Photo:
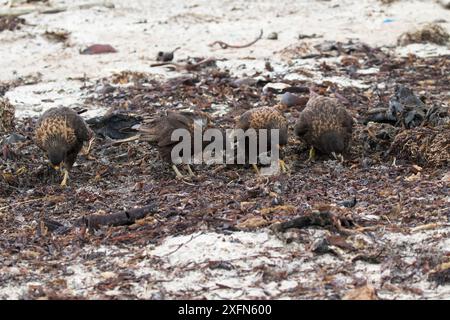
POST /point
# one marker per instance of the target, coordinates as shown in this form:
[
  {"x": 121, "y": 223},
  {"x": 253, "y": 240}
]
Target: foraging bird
[
  {"x": 265, "y": 118},
  {"x": 61, "y": 132},
  {"x": 325, "y": 125},
  {"x": 160, "y": 131}
]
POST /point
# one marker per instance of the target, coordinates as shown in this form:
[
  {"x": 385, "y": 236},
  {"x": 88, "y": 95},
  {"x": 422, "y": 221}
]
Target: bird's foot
[
  {"x": 394, "y": 162},
  {"x": 312, "y": 154},
  {"x": 88, "y": 149},
  {"x": 284, "y": 168},
  {"x": 191, "y": 173},
  {"x": 338, "y": 157},
  {"x": 66, "y": 177},
  {"x": 177, "y": 172},
  {"x": 255, "y": 167}
]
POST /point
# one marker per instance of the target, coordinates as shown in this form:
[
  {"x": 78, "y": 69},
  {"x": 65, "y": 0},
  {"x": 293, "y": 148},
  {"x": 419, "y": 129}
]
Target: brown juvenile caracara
[
  {"x": 61, "y": 132},
  {"x": 325, "y": 125},
  {"x": 265, "y": 118},
  {"x": 160, "y": 131}
]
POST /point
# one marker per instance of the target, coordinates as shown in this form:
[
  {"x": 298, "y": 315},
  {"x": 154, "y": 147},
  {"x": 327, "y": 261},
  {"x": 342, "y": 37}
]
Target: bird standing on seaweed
[
  {"x": 160, "y": 131},
  {"x": 268, "y": 118},
  {"x": 61, "y": 132},
  {"x": 325, "y": 125}
]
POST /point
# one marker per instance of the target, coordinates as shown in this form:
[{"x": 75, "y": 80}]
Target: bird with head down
[
  {"x": 325, "y": 125},
  {"x": 268, "y": 118},
  {"x": 159, "y": 131},
  {"x": 61, "y": 132}
]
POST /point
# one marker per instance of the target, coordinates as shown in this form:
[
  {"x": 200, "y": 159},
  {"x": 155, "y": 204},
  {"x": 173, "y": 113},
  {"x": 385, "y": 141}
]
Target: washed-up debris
[
  {"x": 302, "y": 36},
  {"x": 126, "y": 217},
  {"x": 349, "y": 203},
  {"x": 319, "y": 218},
  {"x": 342, "y": 48},
  {"x": 7, "y": 112},
  {"x": 268, "y": 66},
  {"x": 57, "y": 35},
  {"x": 272, "y": 36},
  {"x": 252, "y": 223},
  {"x": 189, "y": 66},
  {"x": 11, "y": 23},
  {"x": 322, "y": 246},
  {"x": 406, "y": 108},
  {"x": 438, "y": 116},
  {"x": 7, "y": 143},
  {"x": 431, "y": 33},
  {"x": 12, "y": 139},
  {"x": 366, "y": 292},
  {"x": 380, "y": 115},
  {"x": 388, "y": 1},
  {"x": 425, "y": 146},
  {"x": 99, "y": 49},
  {"x": 291, "y": 99},
  {"x": 244, "y": 82},
  {"x": 445, "y": 3},
  {"x": 275, "y": 87},
  {"x": 121, "y": 78},
  {"x": 114, "y": 125},
  {"x": 32, "y": 78},
  {"x": 166, "y": 56},
  {"x": 225, "y": 45},
  {"x": 441, "y": 274}
]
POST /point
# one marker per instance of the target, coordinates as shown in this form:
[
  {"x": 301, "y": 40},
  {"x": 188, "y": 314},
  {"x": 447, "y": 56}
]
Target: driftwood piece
[
  {"x": 55, "y": 226},
  {"x": 225, "y": 45},
  {"x": 94, "y": 221},
  {"x": 186, "y": 66},
  {"x": 122, "y": 218},
  {"x": 323, "y": 219}
]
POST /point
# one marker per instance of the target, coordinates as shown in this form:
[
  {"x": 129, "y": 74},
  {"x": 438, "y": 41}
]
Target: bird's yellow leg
[
  {"x": 312, "y": 154},
  {"x": 191, "y": 173},
  {"x": 88, "y": 149},
  {"x": 177, "y": 172},
  {"x": 255, "y": 167},
  {"x": 284, "y": 168},
  {"x": 66, "y": 177}
]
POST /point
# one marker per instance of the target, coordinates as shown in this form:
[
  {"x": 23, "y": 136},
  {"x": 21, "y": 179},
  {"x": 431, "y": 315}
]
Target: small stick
[
  {"x": 181, "y": 245},
  {"x": 116, "y": 142},
  {"x": 187, "y": 66},
  {"x": 225, "y": 45}
]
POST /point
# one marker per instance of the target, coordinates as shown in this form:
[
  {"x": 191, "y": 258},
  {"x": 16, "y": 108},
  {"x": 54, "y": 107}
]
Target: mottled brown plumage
[
  {"x": 325, "y": 125},
  {"x": 160, "y": 131},
  {"x": 268, "y": 118},
  {"x": 61, "y": 132},
  {"x": 264, "y": 118}
]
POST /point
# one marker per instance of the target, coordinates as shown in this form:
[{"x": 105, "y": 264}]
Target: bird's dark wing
[{"x": 81, "y": 130}]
